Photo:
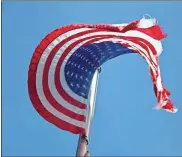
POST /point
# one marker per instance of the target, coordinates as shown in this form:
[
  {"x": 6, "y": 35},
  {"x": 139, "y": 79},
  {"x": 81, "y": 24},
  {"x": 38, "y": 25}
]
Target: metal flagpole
[{"x": 82, "y": 148}]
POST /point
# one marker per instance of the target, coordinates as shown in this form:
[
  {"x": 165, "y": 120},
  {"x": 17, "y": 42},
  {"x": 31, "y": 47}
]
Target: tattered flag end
[
  {"x": 174, "y": 110},
  {"x": 169, "y": 107}
]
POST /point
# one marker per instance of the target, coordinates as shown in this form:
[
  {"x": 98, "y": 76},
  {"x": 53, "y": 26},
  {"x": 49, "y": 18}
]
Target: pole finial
[{"x": 99, "y": 69}]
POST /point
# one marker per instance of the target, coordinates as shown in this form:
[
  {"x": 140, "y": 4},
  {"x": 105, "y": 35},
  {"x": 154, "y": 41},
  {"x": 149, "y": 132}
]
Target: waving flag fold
[{"x": 63, "y": 65}]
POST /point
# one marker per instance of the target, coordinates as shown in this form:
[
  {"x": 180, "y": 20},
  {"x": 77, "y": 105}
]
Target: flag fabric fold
[{"x": 63, "y": 65}]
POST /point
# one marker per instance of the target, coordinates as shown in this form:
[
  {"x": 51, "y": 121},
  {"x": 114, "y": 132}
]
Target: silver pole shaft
[{"x": 82, "y": 148}]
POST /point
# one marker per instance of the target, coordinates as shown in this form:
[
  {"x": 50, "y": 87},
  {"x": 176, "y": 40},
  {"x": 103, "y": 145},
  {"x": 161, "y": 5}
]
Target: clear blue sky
[{"x": 124, "y": 122}]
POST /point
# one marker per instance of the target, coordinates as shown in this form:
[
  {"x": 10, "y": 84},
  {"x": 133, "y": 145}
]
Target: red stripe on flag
[
  {"x": 57, "y": 80},
  {"x": 32, "y": 83},
  {"x": 48, "y": 93},
  {"x": 46, "y": 89}
]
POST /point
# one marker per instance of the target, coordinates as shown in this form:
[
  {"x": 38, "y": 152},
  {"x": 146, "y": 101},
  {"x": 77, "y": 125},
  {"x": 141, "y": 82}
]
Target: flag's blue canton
[{"x": 80, "y": 68}]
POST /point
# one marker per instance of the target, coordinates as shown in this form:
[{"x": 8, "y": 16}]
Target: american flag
[{"x": 63, "y": 65}]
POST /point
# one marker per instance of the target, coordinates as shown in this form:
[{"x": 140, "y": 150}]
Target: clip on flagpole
[{"x": 82, "y": 148}]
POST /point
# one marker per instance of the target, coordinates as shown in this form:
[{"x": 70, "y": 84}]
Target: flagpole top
[{"x": 99, "y": 69}]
